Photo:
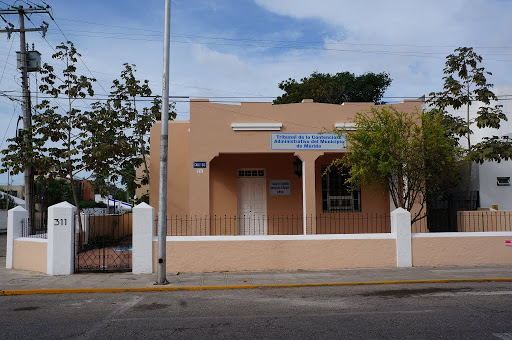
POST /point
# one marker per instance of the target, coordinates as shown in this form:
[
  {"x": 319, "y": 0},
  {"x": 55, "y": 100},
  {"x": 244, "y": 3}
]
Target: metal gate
[
  {"x": 442, "y": 212},
  {"x": 104, "y": 243}
]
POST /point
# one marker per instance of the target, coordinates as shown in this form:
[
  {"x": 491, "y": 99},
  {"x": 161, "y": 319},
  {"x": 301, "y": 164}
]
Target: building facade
[{"x": 244, "y": 167}]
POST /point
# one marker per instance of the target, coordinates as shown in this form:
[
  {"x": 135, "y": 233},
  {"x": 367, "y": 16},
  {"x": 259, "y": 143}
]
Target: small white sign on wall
[{"x": 279, "y": 187}]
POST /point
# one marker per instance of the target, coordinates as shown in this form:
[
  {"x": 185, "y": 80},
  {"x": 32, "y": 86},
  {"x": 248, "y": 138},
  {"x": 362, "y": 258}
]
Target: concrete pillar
[
  {"x": 308, "y": 192},
  {"x": 401, "y": 229},
  {"x": 61, "y": 239},
  {"x": 142, "y": 244},
  {"x": 15, "y": 217}
]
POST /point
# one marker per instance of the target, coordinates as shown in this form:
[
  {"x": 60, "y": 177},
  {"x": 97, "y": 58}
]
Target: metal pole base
[{"x": 157, "y": 283}]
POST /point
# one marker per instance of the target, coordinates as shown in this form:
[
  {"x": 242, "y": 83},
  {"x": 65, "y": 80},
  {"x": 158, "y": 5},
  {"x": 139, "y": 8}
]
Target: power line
[
  {"x": 8, "y": 126},
  {"x": 379, "y": 52},
  {"x": 504, "y": 97},
  {"x": 44, "y": 38},
  {"x": 431, "y": 55},
  {"x": 265, "y": 40},
  {"x": 79, "y": 56},
  {"x": 5, "y": 65}
]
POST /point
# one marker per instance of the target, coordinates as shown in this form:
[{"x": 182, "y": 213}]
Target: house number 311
[{"x": 60, "y": 221}]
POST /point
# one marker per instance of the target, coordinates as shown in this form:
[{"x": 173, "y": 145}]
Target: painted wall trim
[
  {"x": 280, "y": 237},
  {"x": 32, "y": 239},
  {"x": 464, "y": 234},
  {"x": 345, "y": 126},
  {"x": 256, "y": 126}
]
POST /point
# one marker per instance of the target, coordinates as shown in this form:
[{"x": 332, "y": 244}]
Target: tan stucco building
[{"x": 262, "y": 160}]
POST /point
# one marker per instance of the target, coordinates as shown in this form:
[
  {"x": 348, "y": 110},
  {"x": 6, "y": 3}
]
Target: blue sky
[{"x": 245, "y": 48}]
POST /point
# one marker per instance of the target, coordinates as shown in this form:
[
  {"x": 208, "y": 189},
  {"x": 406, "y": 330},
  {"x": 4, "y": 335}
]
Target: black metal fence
[
  {"x": 484, "y": 221},
  {"x": 466, "y": 221},
  {"x": 340, "y": 223},
  {"x": 35, "y": 229}
]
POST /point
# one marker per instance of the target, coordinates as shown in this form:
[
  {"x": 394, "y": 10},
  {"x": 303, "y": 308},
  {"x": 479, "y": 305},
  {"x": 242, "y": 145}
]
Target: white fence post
[
  {"x": 15, "y": 216},
  {"x": 61, "y": 239},
  {"x": 401, "y": 228},
  {"x": 142, "y": 246}
]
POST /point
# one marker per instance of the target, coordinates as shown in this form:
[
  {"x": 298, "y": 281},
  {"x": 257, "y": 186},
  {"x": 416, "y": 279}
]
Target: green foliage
[
  {"x": 143, "y": 199},
  {"x": 109, "y": 140},
  {"x": 464, "y": 84},
  {"x": 57, "y": 134},
  {"x": 492, "y": 149},
  {"x": 442, "y": 155},
  {"x": 129, "y": 180},
  {"x": 51, "y": 191},
  {"x": 91, "y": 204},
  {"x": 108, "y": 189},
  {"x": 335, "y": 89},
  {"x": 403, "y": 152},
  {"x": 120, "y": 195},
  {"x": 6, "y": 201},
  {"x": 128, "y": 125}
]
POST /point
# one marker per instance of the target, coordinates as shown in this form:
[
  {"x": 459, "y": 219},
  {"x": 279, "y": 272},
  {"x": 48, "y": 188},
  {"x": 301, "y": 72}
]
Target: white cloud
[{"x": 405, "y": 21}]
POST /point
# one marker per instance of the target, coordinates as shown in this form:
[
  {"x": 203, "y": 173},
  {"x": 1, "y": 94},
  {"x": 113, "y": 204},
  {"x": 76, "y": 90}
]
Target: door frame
[{"x": 258, "y": 176}]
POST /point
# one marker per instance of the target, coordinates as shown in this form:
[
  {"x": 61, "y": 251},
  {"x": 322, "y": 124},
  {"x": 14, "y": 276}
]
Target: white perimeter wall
[{"x": 490, "y": 193}]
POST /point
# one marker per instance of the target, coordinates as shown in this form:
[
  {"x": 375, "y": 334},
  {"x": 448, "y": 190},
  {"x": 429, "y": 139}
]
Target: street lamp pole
[{"x": 164, "y": 144}]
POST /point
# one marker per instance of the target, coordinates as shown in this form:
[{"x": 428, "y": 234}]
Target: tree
[
  {"x": 50, "y": 191},
  {"x": 129, "y": 180},
  {"x": 401, "y": 151},
  {"x": 6, "y": 201},
  {"x": 464, "y": 84},
  {"x": 130, "y": 125},
  {"x": 335, "y": 89},
  {"x": 442, "y": 154},
  {"x": 66, "y": 140},
  {"x": 58, "y": 137}
]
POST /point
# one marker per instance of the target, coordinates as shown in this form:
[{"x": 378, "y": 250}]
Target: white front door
[{"x": 252, "y": 206}]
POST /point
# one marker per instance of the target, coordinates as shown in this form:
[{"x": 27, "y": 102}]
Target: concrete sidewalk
[
  {"x": 15, "y": 280},
  {"x": 12, "y": 281}
]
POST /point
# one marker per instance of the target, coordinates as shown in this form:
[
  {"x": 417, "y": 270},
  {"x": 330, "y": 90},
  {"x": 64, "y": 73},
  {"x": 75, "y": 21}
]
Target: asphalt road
[{"x": 418, "y": 311}]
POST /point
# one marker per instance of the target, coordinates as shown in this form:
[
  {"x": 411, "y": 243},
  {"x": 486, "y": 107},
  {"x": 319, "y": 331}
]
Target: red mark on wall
[{"x": 508, "y": 243}]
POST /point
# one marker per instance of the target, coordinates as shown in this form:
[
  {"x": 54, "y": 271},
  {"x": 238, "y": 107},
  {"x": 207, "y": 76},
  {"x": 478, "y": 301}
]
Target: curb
[{"x": 195, "y": 288}]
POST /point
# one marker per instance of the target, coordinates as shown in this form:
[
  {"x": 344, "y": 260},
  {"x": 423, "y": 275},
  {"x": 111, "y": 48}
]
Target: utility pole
[
  {"x": 164, "y": 144},
  {"x": 26, "y": 104}
]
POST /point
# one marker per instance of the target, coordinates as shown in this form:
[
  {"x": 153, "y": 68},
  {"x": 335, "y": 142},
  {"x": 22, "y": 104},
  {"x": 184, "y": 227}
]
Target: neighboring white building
[
  {"x": 3, "y": 213},
  {"x": 491, "y": 179},
  {"x": 110, "y": 202}
]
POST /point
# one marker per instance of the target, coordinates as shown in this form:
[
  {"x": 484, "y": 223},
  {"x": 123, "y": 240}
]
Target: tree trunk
[
  {"x": 75, "y": 199},
  {"x": 142, "y": 151},
  {"x": 70, "y": 166},
  {"x": 468, "y": 181},
  {"x": 401, "y": 197}
]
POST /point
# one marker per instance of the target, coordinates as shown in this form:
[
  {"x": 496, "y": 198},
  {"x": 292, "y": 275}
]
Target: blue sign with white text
[
  {"x": 199, "y": 165},
  {"x": 308, "y": 141}
]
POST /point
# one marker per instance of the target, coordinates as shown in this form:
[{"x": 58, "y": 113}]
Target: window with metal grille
[
  {"x": 251, "y": 173},
  {"x": 336, "y": 195},
  {"x": 503, "y": 181}
]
